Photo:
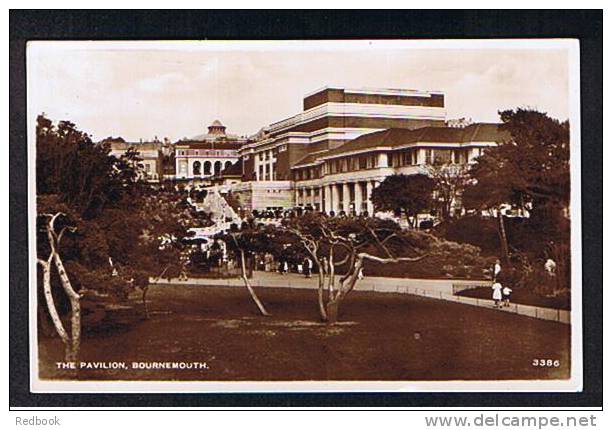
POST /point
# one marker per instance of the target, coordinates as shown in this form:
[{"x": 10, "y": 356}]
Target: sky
[{"x": 175, "y": 90}]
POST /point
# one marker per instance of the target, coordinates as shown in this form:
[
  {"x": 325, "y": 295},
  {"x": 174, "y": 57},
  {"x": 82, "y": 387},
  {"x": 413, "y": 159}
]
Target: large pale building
[{"x": 331, "y": 117}]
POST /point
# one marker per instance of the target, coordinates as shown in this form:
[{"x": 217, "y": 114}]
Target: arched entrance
[{"x": 197, "y": 168}]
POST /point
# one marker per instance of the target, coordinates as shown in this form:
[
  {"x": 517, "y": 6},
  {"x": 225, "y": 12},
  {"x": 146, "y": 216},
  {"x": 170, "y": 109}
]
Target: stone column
[
  {"x": 358, "y": 197},
  {"x": 312, "y": 197},
  {"x": 369, "y": 204},
  {"x": 270, "y": 164},
  {"x": 334, "y": 194},
  {"x": 346, "y": 197},
  {"x": 295, "y": 196},
  {"x": 328, "y": 199}
]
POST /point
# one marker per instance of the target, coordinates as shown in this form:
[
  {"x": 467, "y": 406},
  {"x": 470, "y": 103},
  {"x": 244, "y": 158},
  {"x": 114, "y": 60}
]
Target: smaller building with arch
[{"x": 207, "y": 155}]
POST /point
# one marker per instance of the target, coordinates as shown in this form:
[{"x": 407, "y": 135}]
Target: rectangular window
[
  {"x": 457, "y": 156},
  {"x": 363, "y": 163},
  {"x": 442, "y": 156},
  {"x": 429, "y": 156}
]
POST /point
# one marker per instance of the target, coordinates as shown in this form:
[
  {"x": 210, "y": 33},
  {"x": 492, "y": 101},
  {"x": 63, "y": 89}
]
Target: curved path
[{"x": 442, "y": 289}]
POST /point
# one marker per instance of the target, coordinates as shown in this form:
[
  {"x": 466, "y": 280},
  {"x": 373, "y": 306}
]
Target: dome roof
[{"x": 216, "y": 123}]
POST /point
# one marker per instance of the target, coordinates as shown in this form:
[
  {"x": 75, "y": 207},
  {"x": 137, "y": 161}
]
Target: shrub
[{"x": 473, "y": 230}]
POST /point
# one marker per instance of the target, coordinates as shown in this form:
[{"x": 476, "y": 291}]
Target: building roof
[
  {"x": 479, "y": 132},
  {"x": 216, "y": 144},
  {"x": 121, "y": 145},
  {"x": 213, "y": 136},
  {"x": 309, "y": 159},
  {"x": 216, "y": 130}
]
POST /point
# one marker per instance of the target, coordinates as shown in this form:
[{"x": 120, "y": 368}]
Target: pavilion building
[{"x": 331, "y": 117}]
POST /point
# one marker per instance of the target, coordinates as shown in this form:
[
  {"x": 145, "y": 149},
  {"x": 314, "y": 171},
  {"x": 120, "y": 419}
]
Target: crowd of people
[{"x": 267, "y": 263}]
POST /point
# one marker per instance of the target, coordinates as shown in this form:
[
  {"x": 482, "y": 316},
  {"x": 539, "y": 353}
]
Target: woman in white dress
[{"x": 497, "y": 293}]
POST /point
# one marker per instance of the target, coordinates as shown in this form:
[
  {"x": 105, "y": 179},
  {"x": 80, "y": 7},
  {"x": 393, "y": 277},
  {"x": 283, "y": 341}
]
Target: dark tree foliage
[
  {"x": 404, "y": 194},
  {"x": 531, "y": 167},
  {"x": 121, "y": 231},
  {"x": 80, "y": 172},
  {"x": 530, "y": 171}
]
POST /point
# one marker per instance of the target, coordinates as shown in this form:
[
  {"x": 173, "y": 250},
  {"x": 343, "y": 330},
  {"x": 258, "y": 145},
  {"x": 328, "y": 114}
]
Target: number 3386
[{"x": 544, "y": 362}]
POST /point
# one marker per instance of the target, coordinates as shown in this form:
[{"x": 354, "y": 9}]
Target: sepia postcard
[{"x": 304, "y": 216}]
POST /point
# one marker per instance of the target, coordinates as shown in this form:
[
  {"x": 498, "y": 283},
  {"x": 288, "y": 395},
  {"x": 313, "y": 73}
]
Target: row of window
[
  {"x": 268, "y": 155},
  {"x": 209, "y": 152},
  {"x": 409, "y": 157},
  {"x": 208, "y": 167},
  {"x": 267, "y": 174}
]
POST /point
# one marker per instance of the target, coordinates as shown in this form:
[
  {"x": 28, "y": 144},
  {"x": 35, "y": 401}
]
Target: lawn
[{"x": 380, "y": 337}]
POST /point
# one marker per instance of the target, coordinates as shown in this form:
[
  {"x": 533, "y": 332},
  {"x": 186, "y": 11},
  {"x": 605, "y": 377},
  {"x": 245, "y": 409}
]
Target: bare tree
[
  {"x": 325, "y": 238},
  {"x": 247, "y": 284},
  {"x": 244, "y": 242},
  {"x": 72, "y": 342}
]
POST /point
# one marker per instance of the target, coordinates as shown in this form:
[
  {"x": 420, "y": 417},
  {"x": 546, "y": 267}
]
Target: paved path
[{"x": 442, "y": 289}]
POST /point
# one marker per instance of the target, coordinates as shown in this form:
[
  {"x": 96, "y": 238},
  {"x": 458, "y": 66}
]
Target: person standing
[
  {"x": 308, "y": 267},
  {"x": 497, "y": 294},
  {"x": 285, "y": 267},
  {"x": 551, "y": 267},
  {"x": 496, "y": 270}
]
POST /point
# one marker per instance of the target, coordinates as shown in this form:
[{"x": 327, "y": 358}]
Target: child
[
  {"x": 506, "y": 291},
  {"x": 497, "y": 294}
]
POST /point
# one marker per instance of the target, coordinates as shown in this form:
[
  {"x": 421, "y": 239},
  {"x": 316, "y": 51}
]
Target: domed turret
[{"x": 216, "y": 128}]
